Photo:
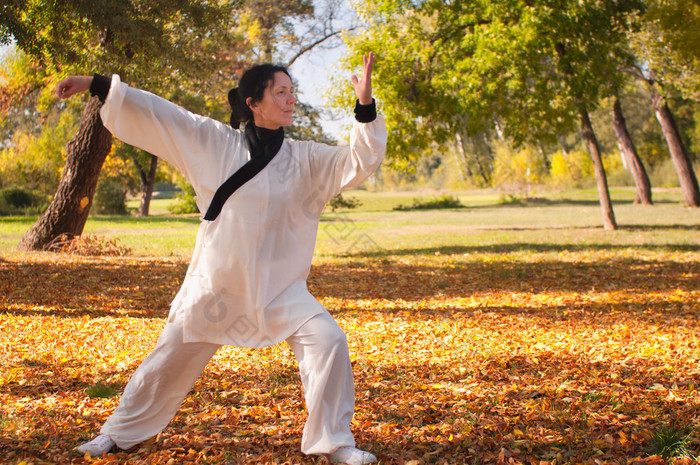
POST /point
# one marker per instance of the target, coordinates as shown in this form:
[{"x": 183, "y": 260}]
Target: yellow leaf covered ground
[{"x": 525, "y": 357}]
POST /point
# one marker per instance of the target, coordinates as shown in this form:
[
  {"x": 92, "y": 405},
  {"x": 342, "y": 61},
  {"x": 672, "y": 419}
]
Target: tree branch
[{"x": 316, "y": 43}]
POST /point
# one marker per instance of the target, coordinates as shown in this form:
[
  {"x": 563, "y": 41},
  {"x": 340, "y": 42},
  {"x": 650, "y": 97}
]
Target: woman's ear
[{"x": 250, "y": 102}]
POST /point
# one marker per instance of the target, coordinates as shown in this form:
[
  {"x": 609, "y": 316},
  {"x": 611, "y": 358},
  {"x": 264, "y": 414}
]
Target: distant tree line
[
  {"x": 484, "y": 93},
  {"x": 473, "y": 77}
]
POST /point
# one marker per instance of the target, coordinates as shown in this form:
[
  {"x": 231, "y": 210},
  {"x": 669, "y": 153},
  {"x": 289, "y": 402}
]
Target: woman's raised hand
[
  {"x": 363, "y": 86},
  {"x": 73, "y": 85}
]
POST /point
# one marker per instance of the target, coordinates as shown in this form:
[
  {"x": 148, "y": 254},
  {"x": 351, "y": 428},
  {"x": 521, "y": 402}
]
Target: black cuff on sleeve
[
  {"x": 365, "y": 113},
  {"x": 100, "y": 86}
]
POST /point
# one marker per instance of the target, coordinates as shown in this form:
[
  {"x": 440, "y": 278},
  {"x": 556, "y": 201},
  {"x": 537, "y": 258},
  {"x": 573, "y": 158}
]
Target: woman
[{"x": 246, "y": 283}]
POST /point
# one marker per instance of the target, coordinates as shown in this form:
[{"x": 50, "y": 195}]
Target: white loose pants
[{"x": 163, "y": 380}]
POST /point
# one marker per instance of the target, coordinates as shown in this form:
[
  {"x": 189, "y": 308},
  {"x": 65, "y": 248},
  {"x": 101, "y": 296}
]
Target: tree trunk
[
  {"x": 70, "y": 207},
  {"x": 499, "y": 129},
  {"x": 545, "y": 159},
  {"x": 679, "y": 155},
  {"x": 464, "y": 164},
  {"x": 485, "y": 174},
  {"x": 588, "y": 135},
  {"x": 147, "y": 183},
  {"x": 629, "y": 151},
  {"x": 562, "y": 145}
]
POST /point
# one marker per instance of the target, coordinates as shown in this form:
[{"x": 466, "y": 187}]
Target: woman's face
[{"x": 277, "y": 106}]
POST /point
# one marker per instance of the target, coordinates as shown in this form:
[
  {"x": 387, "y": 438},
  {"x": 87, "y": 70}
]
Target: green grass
[
  {"x": 554, "y": 223},
  {"x": 102, "y": 391},
  {"x": 671, "y": 440}
]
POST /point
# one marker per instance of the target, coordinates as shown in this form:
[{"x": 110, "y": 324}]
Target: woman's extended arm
[
  {"x": 73, "y": 85},
  {"x": 201, "y": 148}
]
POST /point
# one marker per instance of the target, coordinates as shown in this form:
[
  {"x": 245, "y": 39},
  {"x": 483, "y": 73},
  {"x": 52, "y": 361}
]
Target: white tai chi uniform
[{"x": 246, "y": 283}]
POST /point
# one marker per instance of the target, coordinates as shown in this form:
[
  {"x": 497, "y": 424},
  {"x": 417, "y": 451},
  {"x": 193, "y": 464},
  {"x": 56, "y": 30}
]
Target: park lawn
[{"x": 520, "y": 333}]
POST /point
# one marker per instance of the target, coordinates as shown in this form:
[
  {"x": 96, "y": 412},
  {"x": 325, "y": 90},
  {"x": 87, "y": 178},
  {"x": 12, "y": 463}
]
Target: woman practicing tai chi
[{"x": 246, "y": 282}]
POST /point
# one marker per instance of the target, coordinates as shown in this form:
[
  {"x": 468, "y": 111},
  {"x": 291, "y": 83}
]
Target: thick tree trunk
[
  {"x": 679, "y": 155},
  {"x": 629, "y": 151},
  {"x": 601, "y": 180},
  {"x": 70, "y": 207},
  {"x": 147, "y": 181}
]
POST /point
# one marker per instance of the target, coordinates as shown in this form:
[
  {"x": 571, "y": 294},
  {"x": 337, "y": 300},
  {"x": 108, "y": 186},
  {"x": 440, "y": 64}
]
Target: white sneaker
[
  {"x": 97, "y": 446},
  {"x": 352, "y": 456}
]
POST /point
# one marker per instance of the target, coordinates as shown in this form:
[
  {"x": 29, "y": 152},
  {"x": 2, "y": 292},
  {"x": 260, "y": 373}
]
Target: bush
[
  {"x": 515, "y": 171},
  {"x": 574, "y": 170},
  {"x": 185, "y": 201},
  {"x": 339, "y": 202},
  {"x": 444, "y": 201},
  {"x": 509, "y": 199},
  {"x": 18, "y": 198},
  {"x": 14, "y": 200},
  {"x": 110, "y": 197}
]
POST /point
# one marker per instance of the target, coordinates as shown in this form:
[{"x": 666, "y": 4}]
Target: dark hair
[{"x": 251, "y": 85}]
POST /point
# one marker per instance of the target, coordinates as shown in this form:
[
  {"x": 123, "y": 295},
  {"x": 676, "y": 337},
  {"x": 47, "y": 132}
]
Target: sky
[{"x": 313, "y": 73}]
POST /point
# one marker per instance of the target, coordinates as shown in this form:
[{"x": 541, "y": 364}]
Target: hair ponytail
[
  {"x": 251, "y": 85},
  {"x": 240, "y": 112}
]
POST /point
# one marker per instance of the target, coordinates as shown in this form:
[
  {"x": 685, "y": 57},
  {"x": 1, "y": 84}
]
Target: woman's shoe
[
  {"x": 98, "y": 446},
  {"x": 352, "y": 456}
]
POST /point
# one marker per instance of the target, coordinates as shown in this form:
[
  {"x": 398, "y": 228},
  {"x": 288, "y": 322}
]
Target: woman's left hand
[{"x": 363, "y": 86}]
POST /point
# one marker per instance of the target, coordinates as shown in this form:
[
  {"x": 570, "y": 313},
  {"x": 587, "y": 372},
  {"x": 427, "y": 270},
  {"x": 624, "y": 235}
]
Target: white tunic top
[{"x": 246, "y": 283}]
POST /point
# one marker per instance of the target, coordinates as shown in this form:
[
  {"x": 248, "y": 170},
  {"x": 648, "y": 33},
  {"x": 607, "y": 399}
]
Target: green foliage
[
  {"x": 454, "y": 66},
  {"x": 110, "y": 197},
  {"x": 665, "y": 39},
  {"x": 185, "y": 200},
  {"x": 433, "y": 203},
  {"x": 152, "y": 39},
  {"x": 451, "y": 69},
  {"x": 20, "y": 80},
  {"x": 35, "y": 160},
  {"x": 116, "y": 181},
  {"x": 339, "y": 202},
  {"x": 509, "y": 199}
]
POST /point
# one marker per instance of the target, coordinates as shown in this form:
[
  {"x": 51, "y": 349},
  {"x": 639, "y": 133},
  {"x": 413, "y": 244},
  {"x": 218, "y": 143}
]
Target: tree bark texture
[
  {"x": 70, "y": 207},
  {"x": 147, "y": 182},
  {"x": 601, "y": 180},
  {"x": 629, "y": 151},
  {"x": 679, "y": 155}
]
